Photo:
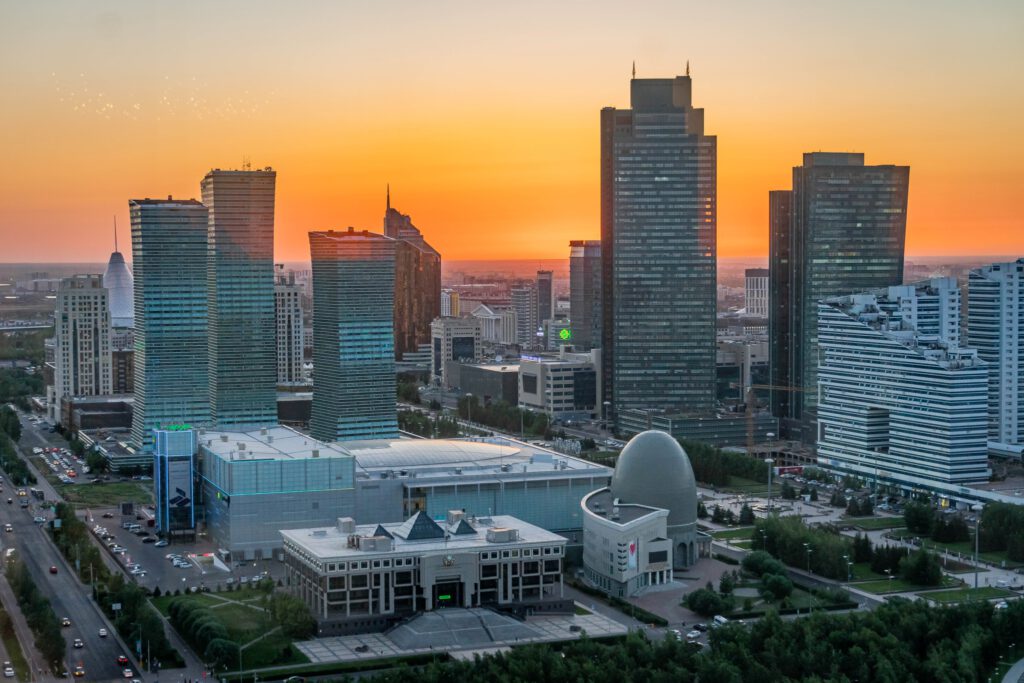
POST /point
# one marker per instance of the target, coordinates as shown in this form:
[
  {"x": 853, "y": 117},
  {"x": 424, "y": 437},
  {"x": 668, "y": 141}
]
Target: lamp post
[
  {"x": 764, "y": 540},
  {"x": 769, "y": 462},
  {"x": 849, "y": 569},
  {"x": 607, "y": 405},
  {"x": 809, "y": 550},
  {"x": 977, "y": 544},
  {"x": 469, "y": 409}
]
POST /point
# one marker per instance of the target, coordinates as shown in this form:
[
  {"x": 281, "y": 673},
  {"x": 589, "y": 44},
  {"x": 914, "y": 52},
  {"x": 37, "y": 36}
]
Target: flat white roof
[{"x": 271, "y": 443}]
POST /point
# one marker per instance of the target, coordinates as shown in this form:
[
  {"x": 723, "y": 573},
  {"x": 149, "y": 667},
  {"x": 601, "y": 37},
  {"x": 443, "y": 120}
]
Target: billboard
[{"x": 177, "y": 494}]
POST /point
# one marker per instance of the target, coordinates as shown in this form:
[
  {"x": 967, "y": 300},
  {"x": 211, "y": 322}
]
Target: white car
[
  {"x": 693, "y": 635},
  {"x": 103, "y": 633},
  {"x": 161, "y": 544},
  {"x": 8, "y": 670}
]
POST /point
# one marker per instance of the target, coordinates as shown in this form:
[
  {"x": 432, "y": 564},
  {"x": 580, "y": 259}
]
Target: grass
[
  {"x": 108, "y": 494},
  {"x": 964, "y": 548},
  {"x": 580, "y": 610},
  {"x": 749, "y": 486},
  {"x": 874, "y": 523},
  {"x": 967, "y": 594},
  {"x": 13, "y": 647},
  {"x": 746, "y": 532},
  {"x": 883, "y": 586}
]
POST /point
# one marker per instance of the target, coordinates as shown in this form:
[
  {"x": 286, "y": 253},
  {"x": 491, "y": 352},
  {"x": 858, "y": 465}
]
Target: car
[
  {"x": 149, "y": 539},
  {"x": 8, "y": 527},
  {"x": 8, "y": 670},
  {"x": 118, "y": 550},
  {"x": 693, "y": 635},
  {"x": 128, "y": 673},
  {"x": 53, "y": 569},
  {"x": 140, "y": 533},
  {"x": 79, "y": 672},
  {"x": 138, "y": 572},
  {"x": 1002, "y": 604},
  {"x": 103, "y": 633},
  {"x": 39, "y": 520},
  {"x": 108, "y": 515},
  {"x": 65, "y": 622},
  {"x": 78, "y": 643},
  {"x": 700, "y": 627},
  {"x": 161, "y": 544},
  {"x": 122, "y": 660},
  {"x": 676, "y": 634}
]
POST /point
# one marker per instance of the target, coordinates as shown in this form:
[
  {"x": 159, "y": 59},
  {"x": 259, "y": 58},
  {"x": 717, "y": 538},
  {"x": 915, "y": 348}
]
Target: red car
[
  {"x": 53, "y": 569},
  {"x": 122, "y": 660}
]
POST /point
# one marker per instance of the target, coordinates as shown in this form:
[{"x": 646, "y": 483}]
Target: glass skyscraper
[
  {"x": 845, "y": 234},
  {"x": 169, "y": 259},
  {"x": 242, "y": 343},
  {"x": 353, "y": 336},
  {"x": 585, "y": 293},
  {"x": 658, "y": 244}
]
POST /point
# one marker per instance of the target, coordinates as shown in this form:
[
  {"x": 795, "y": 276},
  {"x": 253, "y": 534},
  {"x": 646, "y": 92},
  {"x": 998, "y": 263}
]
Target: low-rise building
[
  {"x": 564, "y": 387},
  {"x": 452, "y": 339}
]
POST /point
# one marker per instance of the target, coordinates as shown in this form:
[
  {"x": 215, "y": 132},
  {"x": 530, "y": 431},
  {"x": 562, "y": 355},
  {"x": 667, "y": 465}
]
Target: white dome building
[
  {"x": 121, "y": 287},
  {"x": 643, "y": 526}
]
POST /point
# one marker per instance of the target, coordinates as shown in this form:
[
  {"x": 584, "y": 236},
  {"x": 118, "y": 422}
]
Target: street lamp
[
  {"x": 764, "y": 539},
  {"x": 849, "y": 568},
  {"x": 809, "y": 550},
  {"x": 768, "y": 461},
  {"x": 607, "y": 405},
  {"x": 469, "y": 409}
]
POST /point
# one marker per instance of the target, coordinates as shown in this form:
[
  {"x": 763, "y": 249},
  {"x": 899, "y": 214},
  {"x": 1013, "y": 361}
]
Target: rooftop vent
[
  {"x": 224, "y": 438},
  {"x": 241, "y": 445},
  {"x": 458, "y": 470},
  {"x": 346, "y": 525},
  {"x": 263, "y": 431},
  {"x": 315, "y": 453},
  {"x": 319, "y": 533}
]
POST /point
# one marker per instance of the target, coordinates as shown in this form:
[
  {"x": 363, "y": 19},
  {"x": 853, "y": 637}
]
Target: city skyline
[{"x": 502, "y": 136}]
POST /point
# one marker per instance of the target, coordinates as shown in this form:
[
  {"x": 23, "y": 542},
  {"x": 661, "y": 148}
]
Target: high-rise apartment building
[
  {"x": 453, "y": 339},
  {"x": 845, "y": 234},
  {"x": 901, "y": 402},
  {"x": 242, "y": 353},
  {"x": 417, "y": 281},
  {"x": 658, "y": 250},
  {"x": 545, "y": 284},
  {"x": 353, "y": 336},
  {"x": 524, "y": 302},
  {"x": 756, "y": 292},
  {"x": 169, "y": 253},
  {"x": 82, "y": 360},
  {"x": 995, "y": 327},
  {"x": 450, "y": 303},
  {"x": 585, "y": 293},
  {"x": 289, "y": 326}
]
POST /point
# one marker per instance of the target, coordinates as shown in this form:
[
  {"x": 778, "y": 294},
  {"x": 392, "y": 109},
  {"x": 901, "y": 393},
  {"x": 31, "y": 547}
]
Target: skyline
[{"x": 499, "y": 127}]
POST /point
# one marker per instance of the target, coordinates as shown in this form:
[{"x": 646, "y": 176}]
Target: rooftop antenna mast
[{"x": 115, "y": 232}]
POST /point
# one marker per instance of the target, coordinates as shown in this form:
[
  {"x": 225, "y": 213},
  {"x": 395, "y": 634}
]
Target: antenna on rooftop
[
  {"x": 115, "y": 232},
  {"x": 246, "y": 164}
]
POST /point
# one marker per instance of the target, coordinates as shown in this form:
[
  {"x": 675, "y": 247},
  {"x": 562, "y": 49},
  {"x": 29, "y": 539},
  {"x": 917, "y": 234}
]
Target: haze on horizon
[{"x": 484, "y": 119}]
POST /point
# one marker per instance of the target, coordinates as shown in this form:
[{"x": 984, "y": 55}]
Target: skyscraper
[
  {"x": 524, "y": 302},
  {"x": 417, "y": 281},
  {"x": 846, "y": 230},
  {"x": 240, "y": 278},
  {"x": 289, "y": 326},
  {"x": 780, "y": 294},
  {"x": 995, "y": 326},
  {"x": 118, "y": 281},
  {"x": 353, "y": 336},
  {"x": 755, "y": 290},
  {"x": 545, "y": 296},
  {"x": 169, "y": 256},
  {"x": 585, "y": 293},
  {"x": 658, "y": 243},
  {"x": 82, "y": 360}
]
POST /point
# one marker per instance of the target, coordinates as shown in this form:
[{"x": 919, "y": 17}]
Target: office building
[
  {"x": 563, "y": 387},
  {"x": 556, "y": 333},
  {"x": 117, "y": 279},
  {"x": 497, "y": 324},
  {"x": 585, "y": 293},
  {"x": 995, "y": 327},
  {"x": 240, "y": 281},
  {"x": 452, "y": 339},
  {"x": 845, "y": 234},
  {"x": 741, "y": 365},
  {"x": 353, "y": 336},
  {"x": 658, "y": 250},
  {"x": 780, "y": 295},
  {"x": 524, "y": 303},
  {"x": 902, "y": 404},
  {"x": 417, "y": 282},
  {"x": 756, "y": 292},
  {"x": 545, "y": 285},
  {"x": 367, "y": 577},
  {"x": 722, "y": 428},
  {"x": 169, "y": 253},
  {"x": 289, "y": 326},
  {"x": 450, "y": 303},
  {"x": 82, "y": 360},
  {"x": 174, "y": 451},
  {"x": 487, "y": 381}
]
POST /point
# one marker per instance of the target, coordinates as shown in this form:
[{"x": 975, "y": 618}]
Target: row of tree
[
  {"x": 504, "y": 416},
  {"x": 39, "y": 614},
  {"x": 1002, "y": 528},
  {"x": 441, "y": 427},
  {"x": 17, "y": 385},
  {"x": 137, "y": 619},
  {"x": 12, "y": 463},
  {"x": 204, "y": 632},
  {"x": 714, "y": 467}
]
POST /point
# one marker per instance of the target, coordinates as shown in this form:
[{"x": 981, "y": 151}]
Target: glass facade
[
  {"x": 169, "y": 258},
  {"x": 585, "y": 293},
  {"x": 173, "y": 479},
  {"x": 417, "y": 282},
  {"x": 353, "y": 336},
  {"x": 658, "y": 248},
  {"x": 240, "y": 276}
]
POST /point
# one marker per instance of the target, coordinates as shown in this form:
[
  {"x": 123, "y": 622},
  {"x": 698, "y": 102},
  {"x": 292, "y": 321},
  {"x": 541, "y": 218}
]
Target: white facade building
[
  {"x": 756, "y": 292},
  {"x": 497, "y": 325},
  {"x": 995, "y": 327},
  {"x": 82, "y": 360},
  {"x": 900, "y": 403},
  {"x": 452, "y": 339},
  {"x": 289, "y": 320},
  {"x": 566, "y": 386},
  {"x": 450, "y": 304},
  {"x": 524, "y": 301}
]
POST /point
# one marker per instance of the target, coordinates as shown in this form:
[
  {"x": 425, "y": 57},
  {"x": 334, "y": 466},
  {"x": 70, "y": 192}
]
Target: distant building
[
  {"x": 120, "y": 285},
  {"x": 995, "y": 327},
  {"x": 845, "y": 234},
  {"x": 417, "y": 282},
  {"x": 658, "y": 250},
  {"x": 452, "y": 339},
  {"x": 169, "y": 253},
  {"x": 556, "y": 333},
  {"x": 545, "y": 295},
  {"x": 289, "y": 326},
  {"x": 487, "y": 381},
  {"x": 585, "y": 293},
  {"x": 742, "y": 364},
  {"x": 353, "y": 329},
  {"x": 720, "y": 429},
  {"x": 82, "y": 332},
  {"x": 902, "y": 404},
  {"x": 240, "y": 281},
  {"x": 524, "y": 302},
  {"x": 756, "y": 292},
  {"x": 450, "y": 303},
  {"x": 498, "y": 325},
  {"x": 565, "y": 387}
]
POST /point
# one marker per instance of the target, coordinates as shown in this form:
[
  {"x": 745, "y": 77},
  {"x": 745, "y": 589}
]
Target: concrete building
[
  {"x": 742, "y": 364},
  {"x": 545, "y": 285},
  {"x": 498, "y": 324},
  {"x": 122, "y": 359},
  {"x": 995, "y": 327},
  {"x": 169, "y": 254},
  {"x": 82, "y": 360},
  {"x": 452, "y": 339},
  {"x": 585, "y": 293},
  {"x": 450, "y": 303},
  {"x": 721, "y": 428},
  {"x": 524, "y": 302},
  {"x": 845, "y": 234},
  {"x": 364, "y": 578},
  {"x": 117, "y": 279},
  {"x": 240, "y": 291},
  {"x": 563, "y": 387},
  {"x": 417, "y": 298},
  {"x": 487, "y": 381},
  {"x": 756, "y": 292},
  {"x": 640, "y": 529},
  {"x": 658, "y": 250},
  {"x": 353, "y": 329},
  {"x": 289, "y": 325},
  {"x": 901, "y": 404}
]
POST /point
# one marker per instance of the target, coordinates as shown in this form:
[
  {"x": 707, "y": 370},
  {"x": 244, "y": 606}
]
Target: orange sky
[{"x": 483, "y": 116}]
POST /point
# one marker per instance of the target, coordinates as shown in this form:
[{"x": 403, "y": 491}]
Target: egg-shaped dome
[
  {"x": 653, "y": 469},
  {"x": 121, "y": 291}
]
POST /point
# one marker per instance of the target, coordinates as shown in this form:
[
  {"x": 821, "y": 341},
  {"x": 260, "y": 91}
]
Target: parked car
[{"x": 161, "y": 544}]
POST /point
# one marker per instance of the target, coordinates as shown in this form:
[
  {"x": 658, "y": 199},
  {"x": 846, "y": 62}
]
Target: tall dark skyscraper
[
  {"x": 845, "y": 234},
  {"x": 658, "y": 244},
  {"x": 242, "y": 353},
  {"x": 545, "y": 295},
  {"x": 585, "y": 293},
  {"x": 417, "y": 281}
]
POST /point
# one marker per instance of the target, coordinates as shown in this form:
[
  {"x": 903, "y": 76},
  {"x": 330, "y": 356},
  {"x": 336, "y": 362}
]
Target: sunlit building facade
[
  {"x": 585, "y": 293},
  {"x": 417, "y": 282},
  {"x": 82, "y": 354}
]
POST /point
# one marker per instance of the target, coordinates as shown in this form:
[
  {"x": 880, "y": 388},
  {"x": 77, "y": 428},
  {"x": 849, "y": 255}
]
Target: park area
[{"x": 968, "y": 594}]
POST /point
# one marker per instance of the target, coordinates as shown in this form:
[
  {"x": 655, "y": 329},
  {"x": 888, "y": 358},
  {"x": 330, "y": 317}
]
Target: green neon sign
[
  {"x": 444, "y": 597},
  {"x": 565, "y": 334},
  {"x": 179, "y": 428}
]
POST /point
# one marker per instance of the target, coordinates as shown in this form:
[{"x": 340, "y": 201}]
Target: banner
[{"x": 631, "y": 563}]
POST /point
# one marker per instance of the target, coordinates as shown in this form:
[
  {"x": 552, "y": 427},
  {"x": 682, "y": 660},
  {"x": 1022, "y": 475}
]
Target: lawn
[
  {"x": 746, "y": 532},
  {"x": 968, "y": 594},
  {"x": 874, "y": 523},
  {"x": 883, "y": 586},
  {"x": 108, "y": 494},
  {"x": 750, "y": 487},
  {"x": 964, "y": 548}
]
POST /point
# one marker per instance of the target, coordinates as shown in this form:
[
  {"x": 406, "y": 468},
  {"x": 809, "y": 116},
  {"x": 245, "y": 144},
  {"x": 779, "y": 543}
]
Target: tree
[
  {"x": 726, "y": 583},
  {"x": 788, "y": 492},
  {"x": 776, "y": 586},
  {"x": 746, "y": 515},
  {"x": 708, "y": 603},
  {"x": 292, "y": 615},
  {"x": 921, "y": 568},
  {"x": 222, "y": 653},
  {"x": 760, "y": 563},
  {"x": 918, "y": 517},
  {"x": 702, "y": 511},
  {"x": 814, "y": 495}
]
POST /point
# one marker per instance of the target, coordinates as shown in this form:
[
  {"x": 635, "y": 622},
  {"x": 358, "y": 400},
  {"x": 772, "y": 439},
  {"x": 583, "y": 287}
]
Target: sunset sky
[{"x": 483, "y": 116}]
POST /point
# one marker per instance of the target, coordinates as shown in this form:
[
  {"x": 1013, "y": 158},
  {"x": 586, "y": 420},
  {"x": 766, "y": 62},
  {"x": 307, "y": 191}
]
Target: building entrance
[{"x": 448, "y": 594}]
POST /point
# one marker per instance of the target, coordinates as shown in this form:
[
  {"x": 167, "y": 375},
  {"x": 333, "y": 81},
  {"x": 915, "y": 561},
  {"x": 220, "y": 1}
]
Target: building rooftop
[
  {"x": 418, "y": 534},
  {"x": 271, "y": 443},
  {"x": 603, "y": 504}
]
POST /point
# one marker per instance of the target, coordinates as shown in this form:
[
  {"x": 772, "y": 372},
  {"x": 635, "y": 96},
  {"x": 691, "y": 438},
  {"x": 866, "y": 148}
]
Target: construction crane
[{"x": 751, "y": 405}]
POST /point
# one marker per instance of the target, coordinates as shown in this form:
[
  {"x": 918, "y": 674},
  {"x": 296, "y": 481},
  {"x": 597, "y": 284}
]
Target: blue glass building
[{"x": 174, "y": 452}]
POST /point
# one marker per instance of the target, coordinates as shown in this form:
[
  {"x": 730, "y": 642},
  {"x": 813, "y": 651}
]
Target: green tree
[
  {"x": 746, "y": 515},
  {"x": 921, "y": 568},
  {"x": 788, "y": 492},
  {"x": 918, "y": 517},
  {"x": 292, "y": 615}
]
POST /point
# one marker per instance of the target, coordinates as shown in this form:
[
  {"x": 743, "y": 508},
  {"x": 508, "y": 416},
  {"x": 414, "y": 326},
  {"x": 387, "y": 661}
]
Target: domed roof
[
  {"x": 120, "y": 285},
  {"x": 653, "y": 469}
]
